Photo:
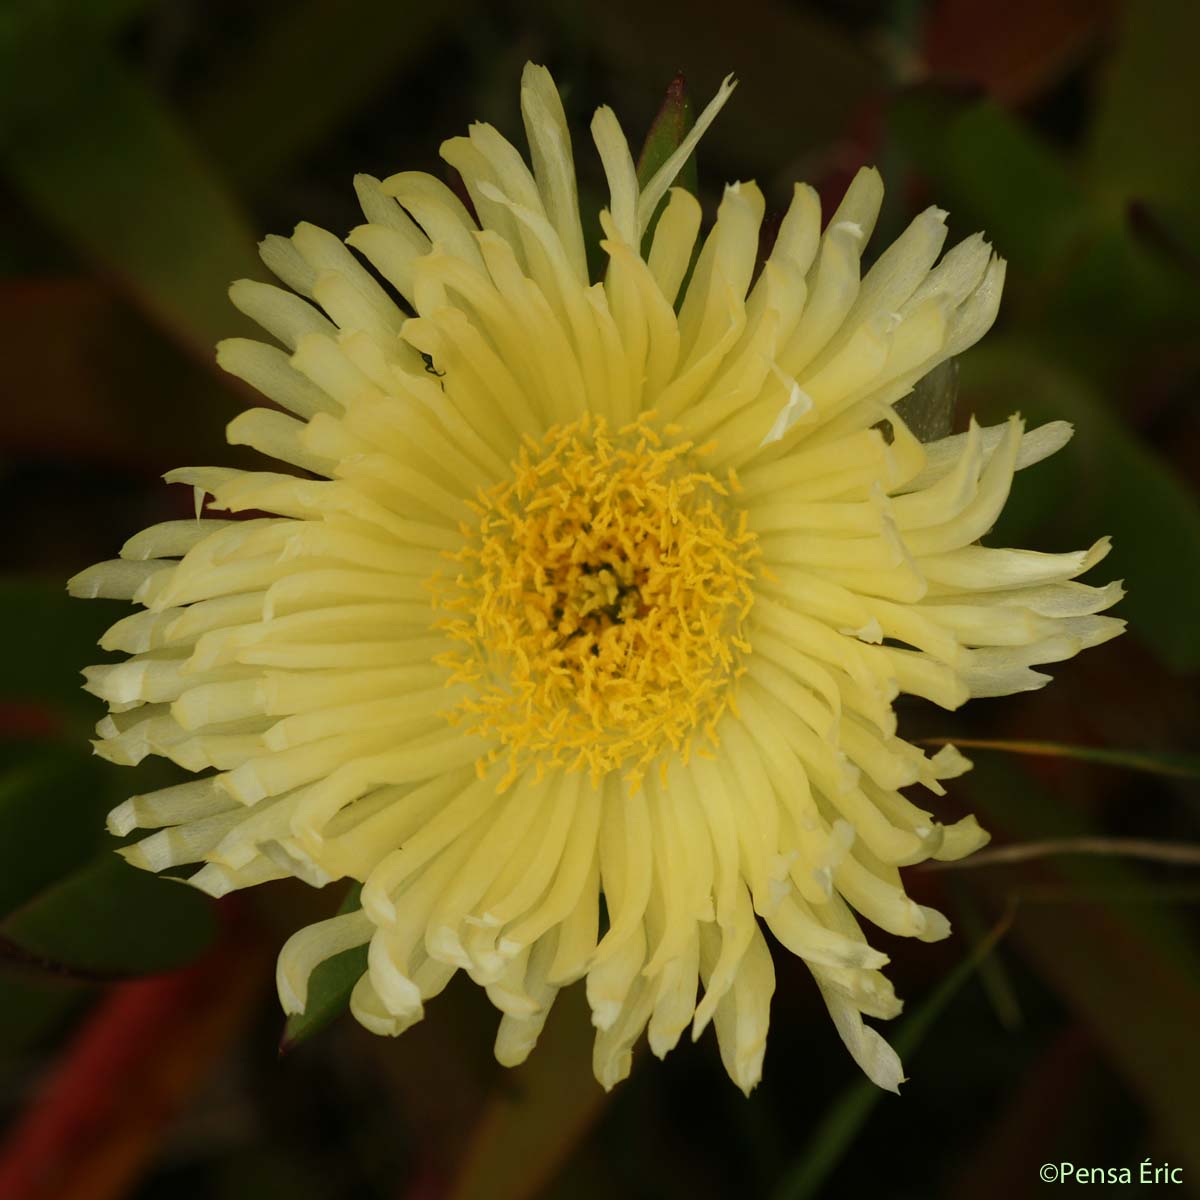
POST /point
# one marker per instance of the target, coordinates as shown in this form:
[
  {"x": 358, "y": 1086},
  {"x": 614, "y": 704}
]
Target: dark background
[{"x": 143, "y": 148}]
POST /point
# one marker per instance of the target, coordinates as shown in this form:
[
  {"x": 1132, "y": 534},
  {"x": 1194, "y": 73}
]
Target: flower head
[
  {"x": 602, "y": 604},
  {"x": 578, "y": 591}
]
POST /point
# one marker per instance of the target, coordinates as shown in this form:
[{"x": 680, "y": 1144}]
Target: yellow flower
[{"x": 587, "y": 591}]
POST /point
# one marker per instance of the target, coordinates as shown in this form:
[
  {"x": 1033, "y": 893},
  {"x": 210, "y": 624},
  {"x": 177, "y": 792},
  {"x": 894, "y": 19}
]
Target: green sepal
[
  {"x": 675, "y": 118},
  {"x": 329, "y": 987}
]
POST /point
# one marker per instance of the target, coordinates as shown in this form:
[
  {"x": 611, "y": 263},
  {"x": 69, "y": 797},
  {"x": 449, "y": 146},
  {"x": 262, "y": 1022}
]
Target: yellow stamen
[{"x": 599, "y": 602}]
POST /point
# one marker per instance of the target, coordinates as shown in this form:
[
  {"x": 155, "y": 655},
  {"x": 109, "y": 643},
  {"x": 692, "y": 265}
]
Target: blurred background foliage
[{"x": 144, "y": 144}]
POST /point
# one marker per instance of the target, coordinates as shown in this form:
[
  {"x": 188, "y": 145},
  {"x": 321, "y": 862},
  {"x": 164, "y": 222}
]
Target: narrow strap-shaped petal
[{"x": 553, "y": 165}]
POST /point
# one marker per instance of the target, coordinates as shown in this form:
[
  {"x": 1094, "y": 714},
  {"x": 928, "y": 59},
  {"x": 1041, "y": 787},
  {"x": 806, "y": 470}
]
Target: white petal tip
[{"x": 122, "y": 820}]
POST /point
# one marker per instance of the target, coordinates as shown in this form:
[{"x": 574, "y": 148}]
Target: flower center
[{"x": 599, "y": 602}]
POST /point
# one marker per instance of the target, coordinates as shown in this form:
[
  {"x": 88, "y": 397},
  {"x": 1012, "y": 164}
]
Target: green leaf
[
  {"x": 1117, "y": 486},
  {"x": 111, "y": 918},
  {"x": 1075, "y": 254},
  {"x": 1156, "y": 762},
  {"x": 45, "y": 44},
  {"x": 329, "y": 987},
  {"x": 833, "y": 1137},
  {"x": 106, "y": 164},
  {"x": 52, "y": 808},
  {"x": 1143, "y": 140},
  {"x": 994, "y": 174},
  {"x": 1086, "y": 317}
]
